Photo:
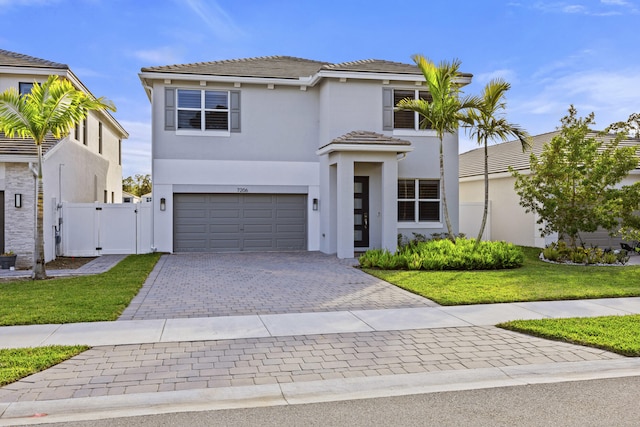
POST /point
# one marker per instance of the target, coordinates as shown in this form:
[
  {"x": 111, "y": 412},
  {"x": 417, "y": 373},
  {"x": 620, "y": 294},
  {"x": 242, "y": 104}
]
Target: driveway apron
[{"x": 208, "y": 285}]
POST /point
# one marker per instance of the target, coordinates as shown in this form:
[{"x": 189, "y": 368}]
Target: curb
[{"x": 94, "y": 408}]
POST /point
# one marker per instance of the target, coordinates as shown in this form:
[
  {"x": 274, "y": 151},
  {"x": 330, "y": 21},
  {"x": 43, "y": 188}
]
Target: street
[{"x": 610, "y": 402}]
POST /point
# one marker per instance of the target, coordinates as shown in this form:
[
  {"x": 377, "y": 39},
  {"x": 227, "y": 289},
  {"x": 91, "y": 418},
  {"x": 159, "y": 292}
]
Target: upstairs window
[
  {"x": 203, "y": 110},
  {"x": 418, "y": 200},
  {"x": 100, "y": 137},
  {"x": 24, "y": 88},
  {"x": 402, "y": 120}
]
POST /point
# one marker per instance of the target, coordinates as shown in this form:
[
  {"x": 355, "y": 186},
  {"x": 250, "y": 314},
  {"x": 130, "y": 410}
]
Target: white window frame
[
  {"x": 202, "y": 131},
  {"x": 416, "y": 131},
  {"x": 416, "y": 206}
]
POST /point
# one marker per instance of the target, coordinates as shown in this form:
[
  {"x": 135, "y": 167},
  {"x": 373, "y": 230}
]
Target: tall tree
[
  {"x": 54, "y": 107},
  {"x": 137, "y": 185},
  {"x": 573, "y": 186},
  {"x": 443, "y": 113},
  {"x": 490, "y": 124}
]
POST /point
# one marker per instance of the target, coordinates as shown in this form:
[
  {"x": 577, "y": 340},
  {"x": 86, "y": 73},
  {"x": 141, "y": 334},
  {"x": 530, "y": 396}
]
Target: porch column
[
  {"x": 390, "y": 204},
  {"x": 344, "y": 207}
]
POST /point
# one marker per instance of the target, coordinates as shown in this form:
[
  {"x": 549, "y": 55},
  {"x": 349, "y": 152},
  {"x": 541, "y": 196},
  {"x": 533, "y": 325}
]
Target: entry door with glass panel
[{"x": 361, "y": 211}]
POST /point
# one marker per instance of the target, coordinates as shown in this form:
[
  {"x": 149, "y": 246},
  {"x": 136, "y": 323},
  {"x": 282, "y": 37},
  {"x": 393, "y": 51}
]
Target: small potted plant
[{"x": 8, "y": 260}]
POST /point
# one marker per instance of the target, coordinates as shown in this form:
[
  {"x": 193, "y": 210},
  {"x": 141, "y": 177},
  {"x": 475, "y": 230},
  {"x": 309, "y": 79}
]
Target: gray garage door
[{"x": 239, "y": 222}]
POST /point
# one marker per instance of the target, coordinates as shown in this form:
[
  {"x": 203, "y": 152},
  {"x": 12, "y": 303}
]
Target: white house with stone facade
[
  {"x": 280, "y": 153},
  {"x": 85, "y": 166}
]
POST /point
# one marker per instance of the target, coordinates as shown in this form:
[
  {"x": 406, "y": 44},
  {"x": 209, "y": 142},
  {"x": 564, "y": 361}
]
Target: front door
[{"x": 361, "y": 211}]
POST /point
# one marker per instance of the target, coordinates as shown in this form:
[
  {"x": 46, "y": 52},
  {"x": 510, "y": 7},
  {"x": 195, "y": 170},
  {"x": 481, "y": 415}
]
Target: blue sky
[{"x": 554, "y": 53}]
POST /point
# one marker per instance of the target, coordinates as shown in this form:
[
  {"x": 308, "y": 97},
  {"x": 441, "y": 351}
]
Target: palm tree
[
  {"x": 488, "y": 123},
  {"x": 443, "y": 113},
  {"x": 55, "y": 107}
]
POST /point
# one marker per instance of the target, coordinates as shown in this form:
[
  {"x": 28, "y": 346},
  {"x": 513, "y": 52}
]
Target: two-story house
[
  {"x": 85, "y": 166},
  {"x": 280, "y": 153}
]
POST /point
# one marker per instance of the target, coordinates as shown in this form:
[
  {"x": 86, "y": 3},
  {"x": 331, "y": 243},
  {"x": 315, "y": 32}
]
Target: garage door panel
[
  {"x": 239, "y": 222},
  {"x": 290, "y": 228},
  {"x": 192, "y": 228},
  {"x": 224, "y": 213},
  {"x": 258, "y": 213},
  {"x": 258, "y": 228}
]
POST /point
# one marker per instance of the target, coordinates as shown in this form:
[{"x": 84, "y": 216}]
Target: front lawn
[
  {"x": 620, "y": 334},
  {"x": 92, "y": 298},
  {"x": 19, "y": 363},
  {"x": 534, "y": 281}
]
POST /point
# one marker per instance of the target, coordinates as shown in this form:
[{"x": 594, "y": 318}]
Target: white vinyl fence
[{"x": 92, "y": 229}]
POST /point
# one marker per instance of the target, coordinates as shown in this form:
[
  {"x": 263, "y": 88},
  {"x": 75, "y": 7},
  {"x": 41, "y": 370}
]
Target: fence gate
[{"x": 92, "y": 229}]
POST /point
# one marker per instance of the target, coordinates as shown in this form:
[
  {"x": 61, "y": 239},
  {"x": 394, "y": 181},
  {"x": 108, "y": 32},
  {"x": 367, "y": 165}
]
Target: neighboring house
[
  {"x": 282, "y": 153},
  {"x": 130, "y": 198},
  {"x": 85, "y": 166},
  {"x": 146, "y": 198},
  {"x": 507, "y": 219}
]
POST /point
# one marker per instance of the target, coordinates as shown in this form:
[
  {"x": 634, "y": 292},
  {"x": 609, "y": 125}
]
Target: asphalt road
[{"x": 609, "y": 402}]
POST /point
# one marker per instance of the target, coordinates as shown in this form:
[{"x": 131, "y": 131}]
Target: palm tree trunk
[
  {"x": 39, "y": 272},
  {"x": 444, "y": 197},
  {"x": 486, "y": 196}
]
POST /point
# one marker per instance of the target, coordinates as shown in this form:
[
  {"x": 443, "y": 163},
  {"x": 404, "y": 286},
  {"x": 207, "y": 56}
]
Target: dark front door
[{"x": 361, "y": 211}]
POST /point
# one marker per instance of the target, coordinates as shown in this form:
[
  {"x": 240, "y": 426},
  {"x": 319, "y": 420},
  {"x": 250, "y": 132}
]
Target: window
[
  {"x": 203, "y": 110},
  {"x": 100, "y": 138},
  {"x": 76, "y": 132},
  {"x": 408, "y": 119},
  {"x": 106, "y": 195},
  {"x": 402, "y": 120},
  {"x": 85, "y": 132},
  {"x": 113, "y": 197},
  {"x": 120, "y": 152},
  {"x": 24, "y": 88},
  {"x": 418, "y": 200}
]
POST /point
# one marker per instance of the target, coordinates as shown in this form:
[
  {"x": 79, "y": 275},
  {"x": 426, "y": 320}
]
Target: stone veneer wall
[{"x": 19, "y": 222}]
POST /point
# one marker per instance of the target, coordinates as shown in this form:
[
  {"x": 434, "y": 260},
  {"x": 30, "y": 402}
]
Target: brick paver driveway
[{"x": 206, "y": 285}]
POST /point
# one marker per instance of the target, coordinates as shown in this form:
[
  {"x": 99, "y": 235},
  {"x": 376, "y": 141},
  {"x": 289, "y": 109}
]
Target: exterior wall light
[
  {"x": 163, "y": 204},
  {"x": 18, "y": 200},
  {"x": 314, "y": 204}
]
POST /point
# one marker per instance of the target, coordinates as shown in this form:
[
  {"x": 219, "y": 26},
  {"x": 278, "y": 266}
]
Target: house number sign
[{"x": 243, "y": 190}]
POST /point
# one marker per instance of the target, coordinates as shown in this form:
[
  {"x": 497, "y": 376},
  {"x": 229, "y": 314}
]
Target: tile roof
[
  {"x": 367, "y": 138},
  {"x": 374, "y": 66},
  {"x": 287, "y": 67},
  {"x": 13, "y": 59},
  {"x": 506, "y": 154},
  {"x": 24, "y": 147}
]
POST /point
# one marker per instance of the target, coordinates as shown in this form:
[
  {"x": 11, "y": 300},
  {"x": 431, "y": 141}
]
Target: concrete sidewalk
[{"x": 291, "y": 324}]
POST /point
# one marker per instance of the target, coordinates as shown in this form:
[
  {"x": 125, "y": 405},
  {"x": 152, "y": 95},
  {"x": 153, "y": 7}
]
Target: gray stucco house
[
  {"x": 281, "y": 153},
  {"x": 85, "y": 166}
]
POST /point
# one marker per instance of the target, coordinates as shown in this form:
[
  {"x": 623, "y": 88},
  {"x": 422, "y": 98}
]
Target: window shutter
[
  {"x": 169, "y": 109},
  {"x": 234, "y": 111},
  {"x": 387, "y": 109}
]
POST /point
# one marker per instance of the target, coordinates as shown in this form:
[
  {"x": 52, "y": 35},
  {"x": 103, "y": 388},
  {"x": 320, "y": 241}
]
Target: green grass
[
  {"x": 534, "y": 281},
  {"x": 100, "y": 297},
  {"x": 620, "y": 334},
  {"x": 19, "y": 363}
]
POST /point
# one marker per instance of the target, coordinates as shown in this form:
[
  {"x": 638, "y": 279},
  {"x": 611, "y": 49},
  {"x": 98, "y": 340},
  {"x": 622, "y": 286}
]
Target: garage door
[{"x": 239, "y": 222}]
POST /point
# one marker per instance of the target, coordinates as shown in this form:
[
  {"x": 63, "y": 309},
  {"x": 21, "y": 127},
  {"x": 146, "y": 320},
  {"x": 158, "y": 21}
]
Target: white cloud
[
  {"x": 612, "y": 96},
  {"x": 506, "y": 74},
  {"x": 216, "y": 18},
  {"x": 162, "y": 55}
]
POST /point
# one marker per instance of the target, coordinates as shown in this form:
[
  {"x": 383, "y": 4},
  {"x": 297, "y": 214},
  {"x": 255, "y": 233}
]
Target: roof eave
[{"x": 387, "y": 148}]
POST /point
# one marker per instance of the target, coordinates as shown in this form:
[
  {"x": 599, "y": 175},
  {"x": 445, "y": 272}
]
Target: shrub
[
  {"x": 443, "y": 254},
  {"x": 560, "y": 252}
]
